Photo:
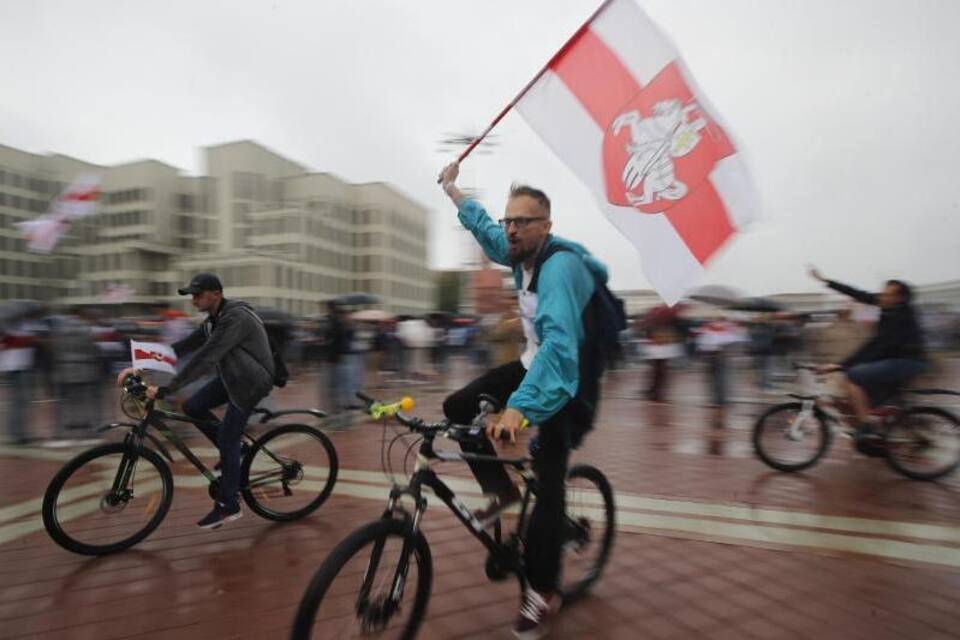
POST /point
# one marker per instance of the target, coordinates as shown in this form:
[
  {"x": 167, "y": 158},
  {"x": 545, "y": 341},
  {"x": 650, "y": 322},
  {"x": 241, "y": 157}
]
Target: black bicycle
[
  {"x": 385, "y": 567},
  {"x": 111, "y": 497}
]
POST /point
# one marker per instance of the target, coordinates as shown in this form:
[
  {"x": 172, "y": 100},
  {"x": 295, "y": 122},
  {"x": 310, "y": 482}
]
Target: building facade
[{"x": 278, "y": 235}]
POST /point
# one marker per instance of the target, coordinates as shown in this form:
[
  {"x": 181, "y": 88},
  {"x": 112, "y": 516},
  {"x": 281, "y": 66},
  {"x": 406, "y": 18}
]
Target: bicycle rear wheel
[
  {"x": 924, "y": 443},
  {"x": 351, "y": 593},
  {"x": 289, "y": 472},
  {"x": 788, "y": 439},
  {"x": 107, "y": 499},
  {"x": 590, "y": 524}
]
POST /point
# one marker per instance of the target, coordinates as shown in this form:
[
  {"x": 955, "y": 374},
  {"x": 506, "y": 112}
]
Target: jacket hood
[{"x": 596, "y": 267}]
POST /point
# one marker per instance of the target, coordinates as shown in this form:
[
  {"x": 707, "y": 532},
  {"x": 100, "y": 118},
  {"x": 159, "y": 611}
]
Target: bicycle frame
[
  {"x": 818, "y": 400},
  {"x": 424, "y": 476},
  {"x": 154, "y": 417}
]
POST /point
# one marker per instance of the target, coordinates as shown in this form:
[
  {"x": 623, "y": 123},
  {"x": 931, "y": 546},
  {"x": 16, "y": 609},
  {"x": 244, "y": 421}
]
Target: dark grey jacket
[{"x": 235, "y": 342}]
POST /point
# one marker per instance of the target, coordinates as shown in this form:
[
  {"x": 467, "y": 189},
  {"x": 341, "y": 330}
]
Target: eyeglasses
[{"x": 519, "y": 223}]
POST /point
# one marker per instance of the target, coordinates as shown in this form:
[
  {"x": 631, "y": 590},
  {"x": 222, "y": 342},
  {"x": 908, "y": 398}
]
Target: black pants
[
  {"x": 463, "y": 406},
  {"x": 546, "y": 526},
  {"x": 226, "y": 436}
]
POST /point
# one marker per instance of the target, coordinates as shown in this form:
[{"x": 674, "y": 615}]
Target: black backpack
[
  {"x": 281, "y": 375},
  {"x": 280, "y": 372},
  {"x": 605, "y": 316}
]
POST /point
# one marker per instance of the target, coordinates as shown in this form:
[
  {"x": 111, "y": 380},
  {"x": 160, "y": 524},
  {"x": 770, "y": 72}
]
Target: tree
[{"x": 448, "y": 291}]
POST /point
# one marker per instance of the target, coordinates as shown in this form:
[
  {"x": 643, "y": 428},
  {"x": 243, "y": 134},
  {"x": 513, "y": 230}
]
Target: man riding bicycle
[
  {"x": 892, "y": 356},
  {"x": 234, "y": 341},
  {"x": 554, "y": 384}
]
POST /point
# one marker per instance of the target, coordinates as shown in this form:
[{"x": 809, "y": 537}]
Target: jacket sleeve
[
  {"x": 856, "y": 294},
  {"x": 492, "y": 239},
  {"x": 231, "y": 330},
  {"x": 564, "y": 289},
  {"x": 190, "y": 343}
]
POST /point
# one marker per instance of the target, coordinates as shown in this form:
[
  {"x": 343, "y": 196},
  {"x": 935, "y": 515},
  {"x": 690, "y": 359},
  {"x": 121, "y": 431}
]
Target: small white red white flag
[
  {"x": 617, "y": 105},
  {"x": 79, "y": 200},
  {"x": 153, "y": 355}
]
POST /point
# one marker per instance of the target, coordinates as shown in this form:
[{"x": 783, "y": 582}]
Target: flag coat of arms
[
  {"x": 153, "y": 355},
  {"x": 617, "y": 105}
]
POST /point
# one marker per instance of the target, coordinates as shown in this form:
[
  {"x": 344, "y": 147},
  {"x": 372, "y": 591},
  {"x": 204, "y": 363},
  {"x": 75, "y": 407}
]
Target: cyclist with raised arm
[
  {"x": 888, "y": 359},
  {"x": 554, "y": 384},
  {"x": 233, "y": 341}
]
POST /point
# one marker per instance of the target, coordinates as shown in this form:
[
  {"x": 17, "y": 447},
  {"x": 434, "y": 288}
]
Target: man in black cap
[{"x": 233, "y": 341}]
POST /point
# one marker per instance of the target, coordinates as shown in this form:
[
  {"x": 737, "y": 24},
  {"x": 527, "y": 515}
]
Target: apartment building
[{"x": 277, "y": 234}]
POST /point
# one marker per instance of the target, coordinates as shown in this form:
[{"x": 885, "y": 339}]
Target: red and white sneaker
[{"x": 536, "y": 615}]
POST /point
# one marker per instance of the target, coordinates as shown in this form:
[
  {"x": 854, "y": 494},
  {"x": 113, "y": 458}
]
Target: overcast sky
[{"x": 845, "y": 110}]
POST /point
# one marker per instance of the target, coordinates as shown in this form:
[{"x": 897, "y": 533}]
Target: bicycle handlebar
[
  {"x": 133, "y": 384},
  {"x": 379, "y": 410}
]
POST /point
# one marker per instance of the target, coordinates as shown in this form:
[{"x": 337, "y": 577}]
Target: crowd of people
[{"x": 68, "y": 360}]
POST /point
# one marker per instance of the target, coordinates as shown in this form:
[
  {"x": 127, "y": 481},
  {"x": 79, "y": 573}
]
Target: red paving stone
[{"x": 245, "y": 580}]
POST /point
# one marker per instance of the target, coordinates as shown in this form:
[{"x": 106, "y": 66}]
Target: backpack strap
[
  {"x": 543, "y": 256},
  {"x": 259, "y": 321}
]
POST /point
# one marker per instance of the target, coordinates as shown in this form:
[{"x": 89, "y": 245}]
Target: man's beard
[{"x": 519, "y": 254}]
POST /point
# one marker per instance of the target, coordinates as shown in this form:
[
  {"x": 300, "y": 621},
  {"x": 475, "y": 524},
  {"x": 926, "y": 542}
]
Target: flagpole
[{"x": 543, "y": 70}]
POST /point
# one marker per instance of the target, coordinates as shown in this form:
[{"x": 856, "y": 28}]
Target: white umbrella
[
  {"x": 415, "y": 333},
  {"x": 371, "y": 315}
]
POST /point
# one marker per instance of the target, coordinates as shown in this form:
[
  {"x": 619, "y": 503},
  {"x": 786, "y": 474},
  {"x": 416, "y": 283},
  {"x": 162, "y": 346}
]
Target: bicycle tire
[
  {"x": 347, "y": 549},
  {"x": 893, "y": 453},
  {"x": 333, "y": 466},
  {"x": 55, "y": 528},
  {"x": 578, "y": 588},
  {"x": 765, "y": 423}
]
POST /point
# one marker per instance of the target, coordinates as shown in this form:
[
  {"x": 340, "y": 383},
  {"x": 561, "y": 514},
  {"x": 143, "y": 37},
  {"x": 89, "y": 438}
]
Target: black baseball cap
[{"x": 201, "y": 282}]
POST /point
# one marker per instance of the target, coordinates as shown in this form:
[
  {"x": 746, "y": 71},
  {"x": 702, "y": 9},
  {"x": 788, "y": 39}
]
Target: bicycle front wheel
[
  {"x": 787, "y": 438},
  {"x": 924, "y": 443},
  {"x": 289, "y": 472},
  {"x": 590, "y": 527},
  {"x": 107, "y": 499},
  {"x": 355, "y": 592}
]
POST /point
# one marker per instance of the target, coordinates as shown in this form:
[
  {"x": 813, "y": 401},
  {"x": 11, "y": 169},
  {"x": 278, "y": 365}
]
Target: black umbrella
[
  {"x": 269, "y": 315},
  {"x": 716, "y": 295},
  {"x": 357, "y": 298},
  {"x": 11, "y": 310},
  {"x": 757, "y": 304}
]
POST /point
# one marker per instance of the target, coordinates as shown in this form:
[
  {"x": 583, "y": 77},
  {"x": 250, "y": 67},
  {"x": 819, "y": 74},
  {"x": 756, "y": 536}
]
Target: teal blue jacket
[{"x": 565, "y": 285}]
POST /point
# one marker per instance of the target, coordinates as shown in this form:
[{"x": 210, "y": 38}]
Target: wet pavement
[{"x": 710, "y": 542}]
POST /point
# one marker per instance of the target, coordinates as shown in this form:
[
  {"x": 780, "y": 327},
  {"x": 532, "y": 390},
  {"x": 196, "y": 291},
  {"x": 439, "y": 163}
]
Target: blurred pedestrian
[
  {"x": 714, "y": 341},
  {"x": 78, "y": 372},
  {"x": 507, "y": 335},
  {"x": 20, "y": 339},
  {"x": 661, "y": 347},
  {"x": 761, "y": 332}
]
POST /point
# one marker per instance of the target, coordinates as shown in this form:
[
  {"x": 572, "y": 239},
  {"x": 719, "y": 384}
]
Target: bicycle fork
[
  {"x": 795, "y": 430},
  {"x": 122, "y": 480},
  {"x": 391, "y": 604}
]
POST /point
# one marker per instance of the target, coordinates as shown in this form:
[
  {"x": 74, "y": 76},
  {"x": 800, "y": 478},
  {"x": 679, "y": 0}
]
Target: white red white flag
[
  {"x": 153, "y": 355},
  {"x": 79, "y": 200},
  {"x": 617, "y": 105}
]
